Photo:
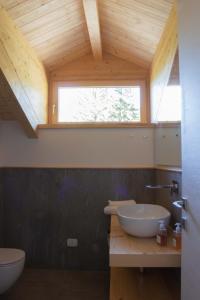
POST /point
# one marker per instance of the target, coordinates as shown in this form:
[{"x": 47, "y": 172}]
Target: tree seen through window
[{"x": 99, "y": 104}]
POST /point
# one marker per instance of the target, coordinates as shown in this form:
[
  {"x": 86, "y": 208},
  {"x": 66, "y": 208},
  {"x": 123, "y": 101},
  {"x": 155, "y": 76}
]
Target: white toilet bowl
[{"x": 11, "y": 267}]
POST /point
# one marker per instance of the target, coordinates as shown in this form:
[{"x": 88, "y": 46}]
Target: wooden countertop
[{"x": 128, "y": 251}]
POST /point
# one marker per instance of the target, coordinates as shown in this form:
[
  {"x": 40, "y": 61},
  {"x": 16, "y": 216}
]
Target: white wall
[
  {"x": 167, "y": 146},
  {"x": 76, "y": 147},
  {"x": 108, "y": 147}
]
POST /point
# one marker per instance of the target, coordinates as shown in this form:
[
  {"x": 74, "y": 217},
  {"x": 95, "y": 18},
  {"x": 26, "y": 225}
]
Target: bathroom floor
[{"x": 38, "y": 284}]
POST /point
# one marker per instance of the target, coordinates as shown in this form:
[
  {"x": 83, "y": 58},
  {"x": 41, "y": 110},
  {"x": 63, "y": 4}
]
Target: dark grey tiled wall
[
  {"x": 1, "y": 207},
  {"x": 44, "y": 207},
  {"x": 163, "y": 197}
]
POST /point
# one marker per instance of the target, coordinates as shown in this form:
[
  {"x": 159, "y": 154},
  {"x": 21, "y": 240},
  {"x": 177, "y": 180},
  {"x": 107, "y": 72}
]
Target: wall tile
[
  {"x": 1, "y": 207},
  {"x": 44, "y": 207},
  {"x": 164, "y": 198}
]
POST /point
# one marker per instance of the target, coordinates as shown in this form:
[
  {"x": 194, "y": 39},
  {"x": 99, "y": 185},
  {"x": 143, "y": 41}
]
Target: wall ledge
[
  {"x": 81, "y": 166},
  {"x": 104, "y": 167}
]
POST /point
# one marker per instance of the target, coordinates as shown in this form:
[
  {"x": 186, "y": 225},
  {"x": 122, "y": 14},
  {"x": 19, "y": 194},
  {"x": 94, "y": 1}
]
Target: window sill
[
  {"x": 110, "y": 125},
  {"x": 97, "y": 125},
  {"x": 167, "y": 124}
]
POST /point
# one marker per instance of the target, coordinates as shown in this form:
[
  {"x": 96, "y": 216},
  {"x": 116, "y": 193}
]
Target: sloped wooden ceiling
[
  {"x": 131, "y": 29},
  {"x": 57, "y": 29}
]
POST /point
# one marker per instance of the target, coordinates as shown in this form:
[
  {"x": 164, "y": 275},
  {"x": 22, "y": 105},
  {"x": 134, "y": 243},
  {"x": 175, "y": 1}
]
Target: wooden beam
[
  {"x": 24, "y": 74},
  {"x": 93, "y": 25},
  {"x": 163, "y": 62},
  {"x": 174, "y": 78},
  {"x": 8, "y": 99}
]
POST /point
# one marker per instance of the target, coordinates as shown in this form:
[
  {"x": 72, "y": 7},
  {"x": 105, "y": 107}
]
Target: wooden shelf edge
[
  {"x": 158, "y": 260},
  {"x": 168, "y": 168}
]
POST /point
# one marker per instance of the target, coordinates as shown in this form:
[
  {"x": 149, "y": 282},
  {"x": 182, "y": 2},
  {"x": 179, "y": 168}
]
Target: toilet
[{"x": 11, "y": 267}]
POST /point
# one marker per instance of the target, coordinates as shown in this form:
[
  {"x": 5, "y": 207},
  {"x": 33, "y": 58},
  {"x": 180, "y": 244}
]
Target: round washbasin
[{"x": 142, "y": 220}]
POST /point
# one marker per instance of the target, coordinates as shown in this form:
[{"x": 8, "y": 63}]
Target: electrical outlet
[{"x": 72, "y": 243}]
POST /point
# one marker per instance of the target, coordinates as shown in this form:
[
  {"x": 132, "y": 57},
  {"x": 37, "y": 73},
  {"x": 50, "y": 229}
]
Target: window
[
  {"x": 169, "y": 109},
  {"x": 100, "y": 104}
]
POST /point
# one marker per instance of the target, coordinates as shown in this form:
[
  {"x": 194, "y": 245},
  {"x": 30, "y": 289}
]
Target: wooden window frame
[{"x": 53, "y": 104}]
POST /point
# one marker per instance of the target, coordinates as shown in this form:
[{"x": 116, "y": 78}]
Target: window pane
[
  {"x": 99, "y": 104},
  {"x": 170, "y": 106}
]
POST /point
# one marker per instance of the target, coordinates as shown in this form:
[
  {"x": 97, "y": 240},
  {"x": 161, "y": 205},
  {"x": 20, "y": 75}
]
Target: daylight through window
[
  {"x": 99, "y": 104},
  {"x": 170, "y": 106}
]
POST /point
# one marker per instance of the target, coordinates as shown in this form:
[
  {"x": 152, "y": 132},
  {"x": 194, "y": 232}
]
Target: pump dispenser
[
  {"x": 161, "y": 237},
  {"x": 177, "y": 237}
]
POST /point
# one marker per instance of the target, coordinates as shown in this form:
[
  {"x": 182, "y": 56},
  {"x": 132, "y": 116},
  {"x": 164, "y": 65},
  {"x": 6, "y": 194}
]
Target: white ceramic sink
[{"x": 142, "y": 220}]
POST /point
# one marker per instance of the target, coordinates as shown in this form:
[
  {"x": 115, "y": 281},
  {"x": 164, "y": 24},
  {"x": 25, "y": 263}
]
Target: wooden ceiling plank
[
  {"x": 138, "y": 23},
  {"x": 70, "y": 57},
  {"x": 59, "y": 53},
  {"x": 93, "y": 25},
  {"x": 135, "y": 49},
  {"x": 127, "y": 33},
  {"x": 51, "y": 30},
  {"x": 157, "y": 10},
  {"x": 44, "y": 10},
  {"x": 39, "y": 39},
  {"x": 61, "y": 41},
  {"x": 66, "y": 34},
  {"x": 132, "y": 57},
  {"x": 129, "y": 30},
  {"x": 69, "y": 52},
  {"x": 24, "y": 7},
  {"x": 133, "y": 14},
  {"x": 60, "y": 48},
  {"x": 58, "y": 14},
  {"x": 8, "y": 4},
  {"x": 129, "y": 43},
  {"x": 52, "y": 21}
]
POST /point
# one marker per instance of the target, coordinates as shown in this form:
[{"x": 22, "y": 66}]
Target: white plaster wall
[
  {"x": 77, "y": 147},
  {"x": 90, "y": 147},
  {"x": 167, "y": 146}
]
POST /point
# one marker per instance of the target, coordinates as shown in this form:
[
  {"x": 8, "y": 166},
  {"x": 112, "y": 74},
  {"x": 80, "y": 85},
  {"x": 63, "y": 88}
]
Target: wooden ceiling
[
  {"x": 131, "y": 29},
  {"x": 61, "y": 31}
]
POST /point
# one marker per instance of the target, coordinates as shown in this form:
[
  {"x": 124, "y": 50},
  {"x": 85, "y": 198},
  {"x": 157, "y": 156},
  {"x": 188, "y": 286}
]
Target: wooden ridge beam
[{"x": 93, "y": 25}]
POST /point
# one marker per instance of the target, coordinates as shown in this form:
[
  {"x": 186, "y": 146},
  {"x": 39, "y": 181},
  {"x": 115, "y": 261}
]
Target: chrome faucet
[{"x": 173, "y": 187}]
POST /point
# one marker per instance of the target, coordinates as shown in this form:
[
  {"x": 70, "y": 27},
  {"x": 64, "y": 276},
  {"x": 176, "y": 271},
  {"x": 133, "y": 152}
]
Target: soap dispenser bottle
[
  {"x": 177, "y": 237},
  {"x": 161, "y": 237}
]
